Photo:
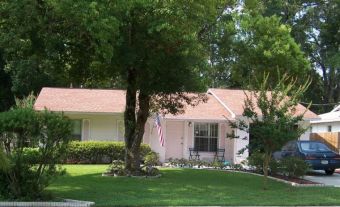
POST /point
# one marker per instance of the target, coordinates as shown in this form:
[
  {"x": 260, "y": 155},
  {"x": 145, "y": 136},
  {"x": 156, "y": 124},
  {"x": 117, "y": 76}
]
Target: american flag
[{"x": 159, "y": 130}]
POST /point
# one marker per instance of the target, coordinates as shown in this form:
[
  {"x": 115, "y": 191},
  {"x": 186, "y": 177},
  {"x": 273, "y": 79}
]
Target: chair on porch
[
  {"x": 193, "y": 154},
  {"x": 219, "y": 155}
]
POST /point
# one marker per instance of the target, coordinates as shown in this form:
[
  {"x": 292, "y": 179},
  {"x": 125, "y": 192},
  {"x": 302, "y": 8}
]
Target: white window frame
[{"x": 208, "y": 137}]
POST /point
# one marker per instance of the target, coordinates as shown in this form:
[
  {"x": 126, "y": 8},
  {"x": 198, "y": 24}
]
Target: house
[
  {"x": 327, "y": 129},
  {"x": 98, "y": 115}
]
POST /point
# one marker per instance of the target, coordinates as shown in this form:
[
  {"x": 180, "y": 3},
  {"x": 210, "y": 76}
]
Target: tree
[
  {"x": 161, "y": 56},
  {"x": 272, "y": 114},
  {"x": 6, "y": 95},
  {"x": 249, "y": 44},
  {"x": 156, "y": 50},
  {"x": 315, "y": 26},
  {"x": 34, "y": 143}
]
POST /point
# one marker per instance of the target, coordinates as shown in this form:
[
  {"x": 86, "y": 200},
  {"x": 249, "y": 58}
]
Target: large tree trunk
[
  {"x": 134, "y": 126},
  {"x": 130, "y": 118}
]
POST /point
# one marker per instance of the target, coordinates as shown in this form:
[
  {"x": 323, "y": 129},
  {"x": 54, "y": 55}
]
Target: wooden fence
[{"x": 331, "y": 139}]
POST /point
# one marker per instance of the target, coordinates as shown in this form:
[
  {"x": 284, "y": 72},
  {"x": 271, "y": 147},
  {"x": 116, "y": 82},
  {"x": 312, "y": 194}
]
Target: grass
[{"x": 184, "y": 187}]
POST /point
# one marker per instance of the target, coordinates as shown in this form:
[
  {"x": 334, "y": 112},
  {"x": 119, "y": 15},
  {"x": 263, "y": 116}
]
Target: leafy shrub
[
  {"x": 256, "y": 162},
  {"x": 31, "y": 155},
  {"x": 198, "y": 163},
  {"x": 98, "y": 152},
  {"x": 4, "y": 163},
  {"x": 293, "y": 167},
  {"x": 150, "y": 171},
  {"x": 31, "y": 169},
  {"x": 238, "y": 167},
  {"x": 151, "y": 159},
  {"x": 217, "y": 165},
  {"x": 116, "y": 168}
]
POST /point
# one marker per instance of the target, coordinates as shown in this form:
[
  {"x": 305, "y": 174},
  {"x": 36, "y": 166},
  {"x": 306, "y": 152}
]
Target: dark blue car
[{"x": 315, "y": 153}]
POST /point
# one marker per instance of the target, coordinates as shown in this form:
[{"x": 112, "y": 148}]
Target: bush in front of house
[
  {"x": 256, "y": 159},
  {"x": 289, "y": 166},
  {"x": 293, "y": 167},
  {"x": 98, "y": 152},
  {"x": 33, "y": 144},
  {"x": 151, "y": 160}
]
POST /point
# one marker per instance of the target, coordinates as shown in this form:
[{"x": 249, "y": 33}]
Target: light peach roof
[
  {"x": 113, "y": 101},
  {"x": 234, "y": 100},
  {"x": 211, "y": 110},
  {"x": 81, "y": 100}
]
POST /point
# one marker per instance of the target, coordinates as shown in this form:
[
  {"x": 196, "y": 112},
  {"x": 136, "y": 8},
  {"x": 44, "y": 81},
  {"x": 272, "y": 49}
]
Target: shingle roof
[
  {"x": 226, "y": 103},
  {"x": 211, "y": 110},
  {"x": 234, "y": 100},
  {"x": 81, "y": 100}
]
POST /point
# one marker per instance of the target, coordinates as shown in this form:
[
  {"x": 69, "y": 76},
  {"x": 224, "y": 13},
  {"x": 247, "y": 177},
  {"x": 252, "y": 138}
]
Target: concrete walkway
[{"x": 321, "y": 177}]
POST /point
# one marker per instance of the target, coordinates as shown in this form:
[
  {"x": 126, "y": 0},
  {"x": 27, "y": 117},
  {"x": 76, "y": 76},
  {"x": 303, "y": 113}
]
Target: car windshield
[{"x": 314, "y": 147}]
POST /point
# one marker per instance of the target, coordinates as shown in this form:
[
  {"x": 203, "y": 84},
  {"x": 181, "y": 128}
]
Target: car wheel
[{"x": 329, "y": 171}]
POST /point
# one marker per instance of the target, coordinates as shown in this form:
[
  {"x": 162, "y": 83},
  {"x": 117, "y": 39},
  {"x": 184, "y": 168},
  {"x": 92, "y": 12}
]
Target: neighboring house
[
  {"x": 327, "y": 128},
  {"x": 98, "y": 115}
]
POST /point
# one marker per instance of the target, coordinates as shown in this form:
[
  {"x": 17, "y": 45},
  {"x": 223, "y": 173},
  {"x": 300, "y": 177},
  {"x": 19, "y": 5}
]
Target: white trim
[
  {"x": 217, "y": 120},
  {"x": 325, "y": 121},
  {"x": 233, "y": 115}
]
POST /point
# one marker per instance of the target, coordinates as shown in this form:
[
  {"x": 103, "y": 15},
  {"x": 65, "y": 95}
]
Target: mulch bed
[{"x": 295, "y": 180}]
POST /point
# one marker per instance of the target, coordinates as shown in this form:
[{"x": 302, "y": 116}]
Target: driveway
[{"x": 321, "y": 177}]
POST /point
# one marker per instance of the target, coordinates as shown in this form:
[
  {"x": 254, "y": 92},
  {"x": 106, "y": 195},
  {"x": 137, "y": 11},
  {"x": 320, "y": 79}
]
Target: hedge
[{"x": 98, "y": 152}]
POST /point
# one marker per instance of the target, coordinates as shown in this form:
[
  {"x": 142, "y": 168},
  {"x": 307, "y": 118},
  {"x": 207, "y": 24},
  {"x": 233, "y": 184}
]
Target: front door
[{"x": 174, "y": 139}]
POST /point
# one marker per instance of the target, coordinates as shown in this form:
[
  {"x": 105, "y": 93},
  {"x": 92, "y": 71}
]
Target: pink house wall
[{"x": 179, "y": 137}]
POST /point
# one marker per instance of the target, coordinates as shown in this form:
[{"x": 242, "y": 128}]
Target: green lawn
[{"x": 184, "y": 187}]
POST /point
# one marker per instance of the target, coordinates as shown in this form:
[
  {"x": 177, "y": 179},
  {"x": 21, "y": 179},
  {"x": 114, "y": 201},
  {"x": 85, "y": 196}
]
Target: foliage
[
  {"x": 294, "y": 167},
  {"x": 247, "y": 45},
  {"x": 151, "y": 159},
  {"x": 256, "y": 160},
  {"x": 146, "y": 45},
  {"x": 217, "y": 165},
  {"x": 315, "y": 26},
  {"x": 272, "y": 116},
  {"x": 196, "y": 163},
  {"x": 116, "y": 168},
  {"x": 98, "y": 152},
  {"x": 237, "y": 167},
  {"x": 6, "y": 95},
  {"x": 31, "y": 171},
  {"x": 4, "y": 163}
]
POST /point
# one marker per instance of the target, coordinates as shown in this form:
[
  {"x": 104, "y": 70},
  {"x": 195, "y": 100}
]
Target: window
[
  {"x": 329, "y": 128},
  {"x": 314, "y": 147},
  {"x": 206, "y": 137},
  {"x": 120, "y": 130},
  {"x": 77, "y": 128}
]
